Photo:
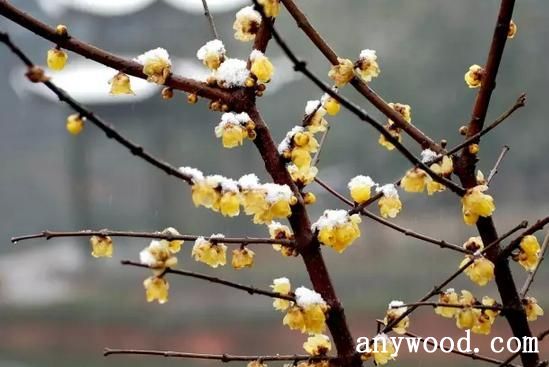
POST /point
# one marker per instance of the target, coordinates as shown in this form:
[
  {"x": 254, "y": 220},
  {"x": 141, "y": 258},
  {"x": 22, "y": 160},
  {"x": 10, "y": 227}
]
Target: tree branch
[
  {"x": 359, "y": 85},
  {"x": 209, "y": 16},
  {"x": 156, "y": 235},
  {"x": 246, "y": 288},
  {"x": 540, "y": 337},
  {"x": 494, "y": 170},
  {"x": 533, "y": 273},
  {"x": 506, "y": 252},
  {"x": 450, "y": 305},
  {"x": 219, "y": 357},
  {"x": 115, "y": 62}
]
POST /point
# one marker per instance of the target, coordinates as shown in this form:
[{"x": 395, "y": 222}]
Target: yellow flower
[
  {"x": 75, "y": 124},
  {"x": 366, "y": 66},
  {"x": 393, "y": 313},
  {"x": 445, "y": 169},
  {"x": 156, "y": 288},
  {"x": 56, "y": 59},
  {"x": 278, "y": 201},
  {"x": 174, "y": 245},
  {"x": 314, "y": 117},
  {"x": 337, "y": 229},
  {"x": 159, "y": 255},
  {"x": 270, "y": 7},
  {"x": 474, "y": 244},
  {"x": 282, "y": 286},
  {"x": 512, "y": 30},
  {"x": 302, "y": 176},
  {"x": 415, "y": 180},
  {"x": 281, "y": 232},
  {"x": 229, "y": 204},
  {"x": 309, "y": 198},
  {"x": 485, "y": 318},
  {"x": 476, "y": 203},
  {"x": 242, "y": 258},
  {"x": 481, "y": 271},
  {"x": 212, "y": 254},
  {"x": 308, "y": 314},
  {"x": 256, "y": 364},
  {"x": 474, "y": 76},
  {"x": 204, "y": 194},
  {"x": 382, "y": 350},
  {"x": 395, "y": 132},
  {"x": 342, "y": 73},
  {"x": 330, "y": 104},
  {"x": 465, "y": 317},
  {"x": 261, "y": 67},
  {"x": 403, "y": 109},
  {"x": 301, "y": 157},
  {"x": 246, "y": 24},
  {"x": 101, "y": 246},
  {"x": 317, "y": 345},
  {"x": 532, "y": 309},
  {"x": 212, "y": 54},
  {"x": 389, "y": 204},
  {"x": 492, "y": 314},
  {"x": 156, "y": 65},
  {"x": 120, "y": 84},
  {"x": 232, "y": 129},
  {"x": 450, "y": 297},
  {"x": 529, "y": 253},
  {"x": 361, "y": 188}
]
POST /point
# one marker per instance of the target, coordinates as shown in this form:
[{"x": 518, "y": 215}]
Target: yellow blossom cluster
[
  {"x": 406, "y": 112},
  {"x": 160, "y": 255},
  {"x": 264, "y": 201},
  {"x": 246, "y": 24},
  {"x": 481, "y": 271},
  {"x": 381, "y": 350},
  {"x": 234, "y": 128},
  {"x": 307, "y": 314},
  {"x": 366, "y": 67},
  {"x": 297, "y": 147},
  {"x": 528, "y": 254},
  {"x": 532, "y": 309},
  {"x": 467, "y": 316},
  {"x": 212, "y": 252},
  {"x": 444, "y": 167},
  {"x": 337, "y": 229},
  {"x": 101, "y": 246},
  {"x": 157, "y": 65},
  {"x": 279, "y": 231},
  {"x": 394, "y": 312},
  {"x": 389, "y": 204},
  {"x": 475, "y": 204}
]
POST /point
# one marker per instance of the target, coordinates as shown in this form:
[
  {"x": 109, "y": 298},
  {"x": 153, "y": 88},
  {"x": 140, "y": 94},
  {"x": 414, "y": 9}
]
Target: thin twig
[
  {"x": 219, "y": 357},
  {"x": 532, "y": 274},
  {"x": 301, "y": 66},
  {"x": 210, "y": 19},
  {"x": 494, "y": 170},
  {"x": 246, "y": 288},
  {"x": 158, "y": 235},
  {"x": 471, "y": 355},
  {"x": 449, "y": 305},
  {"x": 403, "y": 230},
  {"x": 107, "y": 128},
  {"x": 438, "y": 288},
  {"x": 108, "y": 59},
  {"x": 316, "y": 157}
]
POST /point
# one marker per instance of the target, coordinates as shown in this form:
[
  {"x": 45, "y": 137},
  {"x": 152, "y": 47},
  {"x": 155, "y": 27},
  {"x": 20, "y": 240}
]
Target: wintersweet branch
[
  {"x": 494, "y": 170},
  {"x": 403, "y": 230},
  {"x": 191, "y": 274},
  {"x": 106, "y": 127},
  {"x": 533, "y": 273},
  {"x": 108, "y": 59},
  {"x": 438, "y": 288},
  {"x": 516, "y": 242},
  {"x": 450, "y": 305},
  {"x": 218, "y": 357},
  {"x": 359, "y": 85},
  {"x": 209, "y": 16},
  {"x": 155, "y": 235},
  {"x": 359, "y": 112}
]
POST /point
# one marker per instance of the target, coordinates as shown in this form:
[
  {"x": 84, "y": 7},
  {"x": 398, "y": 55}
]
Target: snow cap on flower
[
  {"x": 277, "y": 192},
  {"x": 312, "y": 106},
  {"x": 285, "y": 143},
  {"x": 388, "y": 190},
  {"x": 361, "y": 180},
  {"x": 195, "y": 174},
  {"x": 212, "y": 54},
  {"x": 306, "y": 297},
  {"x": 156, "y": 65},
  {"x": 249, "y": 182},
  {"x": 331, "y": 218},
  {"x": 428, "y": 156},
  {"x": 232, "y": 73}
]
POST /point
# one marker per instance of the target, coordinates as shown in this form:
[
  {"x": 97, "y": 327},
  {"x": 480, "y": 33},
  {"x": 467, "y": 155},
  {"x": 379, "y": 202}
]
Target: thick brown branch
[
  {"x": 533, "y": 273},
  {"x": 359, "y": 85},
  {"x": 107, "y": 128},
  {"x": 156, "y": 235},
  {"x": 376, "y": 218},
  {"x": 217, "y": 357},
  {"x": 191, "y": 274},
  {"x": 103, "y": 57}
]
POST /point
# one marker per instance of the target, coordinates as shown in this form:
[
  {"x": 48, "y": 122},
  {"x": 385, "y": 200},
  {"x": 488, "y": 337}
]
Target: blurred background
[{"x": 60, "y": 307}]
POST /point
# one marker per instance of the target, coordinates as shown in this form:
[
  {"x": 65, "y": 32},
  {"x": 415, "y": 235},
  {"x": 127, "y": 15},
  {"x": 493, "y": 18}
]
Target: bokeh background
[{"x": 60, "y": 307}]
